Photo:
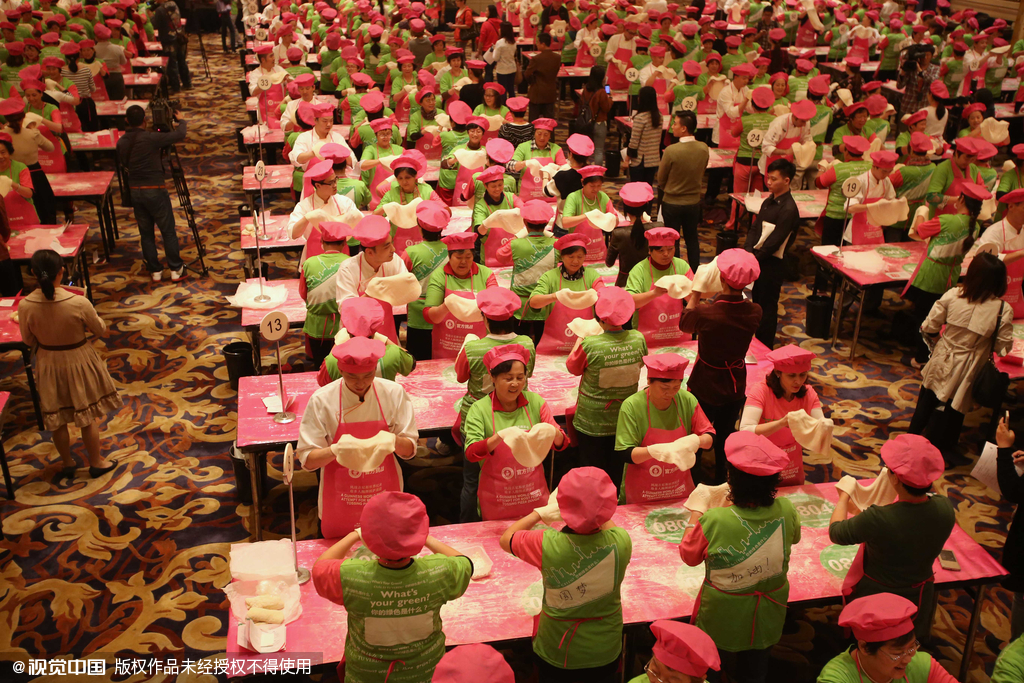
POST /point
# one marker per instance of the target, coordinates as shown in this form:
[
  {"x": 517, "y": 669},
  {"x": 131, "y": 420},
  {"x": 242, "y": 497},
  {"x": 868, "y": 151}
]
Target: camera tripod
[{"x": 170, "y": 154}]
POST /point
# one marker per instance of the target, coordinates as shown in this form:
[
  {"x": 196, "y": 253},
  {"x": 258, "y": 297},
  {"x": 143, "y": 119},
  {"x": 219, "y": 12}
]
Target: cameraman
[
  {"x": 913, "y": 80},
  {"x": 174, "y": 43},
  {"x": 139, "y": 153}
]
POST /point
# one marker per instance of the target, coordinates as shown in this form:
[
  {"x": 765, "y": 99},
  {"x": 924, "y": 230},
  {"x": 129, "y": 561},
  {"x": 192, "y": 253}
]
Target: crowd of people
[{"x": 426, "y": 156}]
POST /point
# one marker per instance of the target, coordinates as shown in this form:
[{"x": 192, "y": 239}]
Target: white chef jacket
[
  {"x": 292, "y": 107},
  {"x": 591, "y": 36},
  {"x": 614, "y": 43},
  {"x": 728, "y": 105},
  {"x": 355, "y": 273},
  {"x": 320, "y": 420},
  {"x": 648, "y": 70},
  {"x": 780, "y": 129},
  {"x": 338, "y": 206},
  {"x": 274, "y": 74},
  {"x": 1001, "y": 234},
  {"x": 307, "y": 139},
  {"x": 870, "y": 189}
]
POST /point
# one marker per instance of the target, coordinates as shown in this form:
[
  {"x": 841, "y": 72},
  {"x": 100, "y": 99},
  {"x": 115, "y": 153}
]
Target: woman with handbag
[{"x": 977, "y": 323}]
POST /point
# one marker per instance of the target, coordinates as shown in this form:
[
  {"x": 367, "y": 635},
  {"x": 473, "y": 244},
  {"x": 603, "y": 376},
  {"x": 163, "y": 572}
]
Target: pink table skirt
[{"x": 901, "y": 258}]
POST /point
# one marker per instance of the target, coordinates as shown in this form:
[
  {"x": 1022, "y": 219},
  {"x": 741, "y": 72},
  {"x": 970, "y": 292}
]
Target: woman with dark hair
[
  {"x": 508, "y": 405},
  {"x": 83, "y": 81},
  {"x": 770, "y": 403},
  {"x": 645, "y": 138},
  {"x": 628, "y": 244},
  {"x": 376, "y": 55},
  {"x": 744, "y": 610},
  {"x": 600, "y": 103},
  {"x": 554, "y": 312},
  {"x": 463, "y": 278},
  {"x": 501, "y": 57},
  {"x": 74, "y": 384},
  {"x": 27, "y": 140},
  {"x": 963, "y": 328},
  {"x": 590, "y": 197},
  {"x": 20, "y": 208},
  {"x": 490, "y": 31},
  {"x": 949, "y": 237},
  {"x": 936, "y": 108},
  {"x": 885, "y": 648}
]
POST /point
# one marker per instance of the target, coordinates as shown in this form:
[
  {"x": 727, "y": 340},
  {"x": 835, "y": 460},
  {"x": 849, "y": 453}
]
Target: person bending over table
[
  {"x": 770, "y": 403},
  {"x": 422, "y": 260},
  {"x": 585, "y": 499},
  {"x": 744, "y": 642},
  {"x": 364, "y": 317},
  {"x": 322, "y": 205},
  {"x": 394, "y": 527},
  {"x": 898, "y": 543},
  {"x": 497, "y": 306},
  {"x": 551, "y": 327},
  {"x": 659, "y": 414},
  {"x": 376, "y": 259},
  {"x": 508, "y": 405},
  {"x": 531, "y": 257},
  {"x": 20, "y": 208},
  {"x": 947, "y": 181},
  {"x": 360, "y": 405},
  {"x": 886, "y": 648},
  {"x": 723, "y": 329},
  {"x": 657, "y": 314},
  {"x": 461, "y": 277},
  {"x": 608, "y": 365},
  {"x": 540, "y": 148}
]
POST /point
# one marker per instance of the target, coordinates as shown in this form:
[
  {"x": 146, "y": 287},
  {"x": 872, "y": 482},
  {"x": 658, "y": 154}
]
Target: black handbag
[{"x": 990, "y": 385}]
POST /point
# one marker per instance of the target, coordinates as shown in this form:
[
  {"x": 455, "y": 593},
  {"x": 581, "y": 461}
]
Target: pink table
[
  {"x": 10, "y": 340},
  {"x": 810, "y": 202},
  {"x": 100, "y": 141},
  {"x": 142, "y": 80},
  {"x": 500, "y": 607},
  {"x": 277, "y": 181},
  {"x": 115, "y": 110},
  {"x": 293, "y": 307},
  {"x": 93, "y": 187},
  {"x": 312, "y": 61},
  {"x": 1004, "y": 110},
  {"x": 901, "y": 258},
  {"x": 153, "y": 46},
  {"x": 72, "y": 238},
  {"x": 278, "y": 239},
  {"x": 156, "y": 62},
  {"x": 1012, "y": 369},
  {"x": 865, "y": 68}
]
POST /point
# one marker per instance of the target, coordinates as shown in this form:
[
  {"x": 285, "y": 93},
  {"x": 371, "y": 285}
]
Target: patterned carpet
[{"x": 132, "y": 564}]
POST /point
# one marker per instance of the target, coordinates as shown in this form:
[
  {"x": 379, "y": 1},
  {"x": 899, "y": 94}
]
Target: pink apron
[
  {"x": 654, "y": 480},
  {"x": 793, "y": 474},
  {"x": 859, "y": 47},
  {"x": 72, "y": 124},
  {"x": 784, "y": 145},
  {"x": 429, "y": 145},
  {"x": 99, "y": 94},
  {"x": 270, "y": 105},
  {"x": 380, "y": 174},
  {"x": 617, "y": 79},
  {"x": 661, "y": 87},
  {"x": 406, "y": 237},
  {"x": 726, "y": 140},
  {"x": 529, "y": 30},
  {"x": 864, "y": 232},
  {"x": 53, "y": 161},
  {"x": 388, "y": 329},
  {"x": 558, "y": 339},
  {"x": 20, "y": 211},
  {"x": 534, "y": 189},
  {"x": 583, "y": 58},
  {"x": 658, "y": 321},
  {"x": 596, "y": 248},
  {"x": 346, "y": 491},
  {"x": 954, "y": 189},
  {"x": 463, "y": 178},
  {"x": 496, "y": 239},
  {"x": 448, "y": 335},
  {"x": 402, "y": 104},
  {"x": 806, "y": 35},
  {"x": 509, "y": 489},
  {"x": 1014, "y": 276}
]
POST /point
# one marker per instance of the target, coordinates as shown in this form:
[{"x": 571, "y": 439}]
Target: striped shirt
[
  {"x": 646, "y": 139},
  {"x": 82, "y": 79}
]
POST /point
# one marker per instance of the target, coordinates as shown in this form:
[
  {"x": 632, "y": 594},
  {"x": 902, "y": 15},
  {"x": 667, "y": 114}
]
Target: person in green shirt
[
  {"x": 318, "y": 289},
  {"x": 732, "y": 55},
  {"x": 1009, "y": 667},
  {"x": 495, "y": 198},
  {"x": 372, "y": 108},
  {"x": 832, "y": 179},
  {"x": 551, "y": 316},
  {"x": 460, "y": 275},
  {"x": 886, "y": 648},
  {"x": 499, "y": 153},
  {"x": 911, "y": 181},
  {"x": 689, "y": 88},
  {"x": 425, "y": 115},
  {"x": 437, "y": 58},
  {"x": 364, "y": 317},
  {"x": 530, "y": 257},
  {"x": 405, "y": 188},
  {"x": 857, "y": 116},
  {"x": 372, "y": 154},
  {"x": 376, "y": 55},
  {"x": 608, "y": 365},
  {"x": 915, "y": 123},
  {"x": 492, "y": 106},
  {"x": 394, "y": 527},
  {"x": 422, "y": 260},
  {"x": 682, "y": 654},
  {"x": 588, "y": 198},
  {"x": 900, "y": 541},
  {"x": 458, "y": 137},
  {"x": 591, "y": 550},
  {"x": 661, "y": 261},
  {"x": 404, "y": 81},
  {"x": 455, "y": 73},
  {"x": 1013, "y": 180}
]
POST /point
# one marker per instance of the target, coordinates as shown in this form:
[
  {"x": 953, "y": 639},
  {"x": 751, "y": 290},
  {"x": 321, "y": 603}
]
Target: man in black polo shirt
[{"x": 772, "y": 233}]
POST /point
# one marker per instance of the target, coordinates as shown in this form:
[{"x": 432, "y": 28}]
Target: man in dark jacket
[
  {"x": 167, "y": 23},
  {"x": 542, "y": 75}
]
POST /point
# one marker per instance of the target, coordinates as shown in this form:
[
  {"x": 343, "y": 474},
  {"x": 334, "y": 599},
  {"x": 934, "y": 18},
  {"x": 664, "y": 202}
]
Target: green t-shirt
[
  {"x": 644, "y": 274},
  {"x": 553, "y": 281},
  {"x": 357, "y": 191},
  {"x": 372, "y": 151},
  {"x": 478, "y": 424},
  {"x": 387, "y": 605},
  {"x": 396, "y": 361},
  {"x": 526, "y": 150},
  {"x": 479, "y": 384},
  {"x": 614, "y": 361},
  {"x": 752, "y": 122},
  {"x": 532, "y": 257},
  {"x": 577, "y": 205},
  {"x": 1009, "y": 666},
  {"x": 450, "y": 139},
  {"x": 843, "y": 669},
  {"x": 320, "y": 273},
  {"x": 425, "y": 257},
  {"x": 836, "y": 203}
]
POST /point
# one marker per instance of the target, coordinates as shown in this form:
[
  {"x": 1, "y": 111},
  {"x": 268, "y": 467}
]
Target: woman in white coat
[{"x": 977, "y": 322}]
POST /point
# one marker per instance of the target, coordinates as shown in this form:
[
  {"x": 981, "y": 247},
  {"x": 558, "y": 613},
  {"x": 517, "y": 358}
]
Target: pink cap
[
  {"x": 804, "y": 65},
  {"x": 748, "y": 70},
  {"x": 54, "y": 62},
  {"x": 335, "y": 153},
  {"x": 358, "y": 355},
  {"x": 975, "y": 191},
  {"x": 916, "y": 117},
  {"x": 472, "y": 664},
  {"x": 1014, "y": 197},
  {"x": 777, "y": 34},
  {"x": 738, "y": 267},
  {"x": 459, "y": 241},
  {"x": 491, "y": 174},
  {"x": 733, "y": 41},
  {"x": 871, "y": 86},
  {"x": 692, "y": 69},
  {"x": 498, "y": 303},
  {"x": 876, "y": 105},
  {"x": 913, "y": 459},
  {"x": 407, "y": 161},
  {"x": 684, "y": 648},
  {"x": 938, "y": 89},
  {"x": 537, "y": 211},
  {"x": 580, "y": 144},
  {"x": 614, "y": 305},
  {"x": 452, "y": 51},
  {"x": 754, "y": 454},
  {"x": 804, "y": 110},
  {"x": 791, "y": 359},
  {"x": 380, "y": 125},
  {"x": 334, "y": 231},
  {"x": 545, "y": 124},
  {"x": 500, "y": 149},
  {"x": 657, "y": 51},
  {"x": 884, "y": 159},
  {"x": 967, "y": 145},
  {"x": 393, "y": 524},
  {"x": 818, "y": 85},
  {"x": 1018, "y": 150},
  {"x": 424, "y": 91},
  {"x": 101, "y": 32},
  {"x": 666, "y": 365},
  {"x": 506, "y": 352},
  {"x": 971, "y": 108},
  {"x": 323, "y": 109},
  {"x": 372, "y": 102},
  {"x": 32, "y": 84},
  {"x": 304, "y": 80},
  {"x": 573, "y": 239},
  {"x": 592, "y": 171},
  {"x": 459, "y": 112},
  {"x": 919, "y": 142},
  {"x": 636, "y": 194},
  {"x": 320, "y": 170},
  {"x": 433, "y": 216},
  {"x": 478, "y": 121},
  {"x": 361, "y": 316},
  {"x": 517, "y": 104},
  {"x": 293, "y": 54},
  {"x": 361, "y": 80},
  {"x": 763, "y": 97},
  {"x": 376, "y": 31},
  {"x": 372, "y": 231},
  {"x": 661, "y": 237},
  {"x": 586, "y": 498},
  {"x": 879, "y": 617},
  {"x": 855, "y": 144}
]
